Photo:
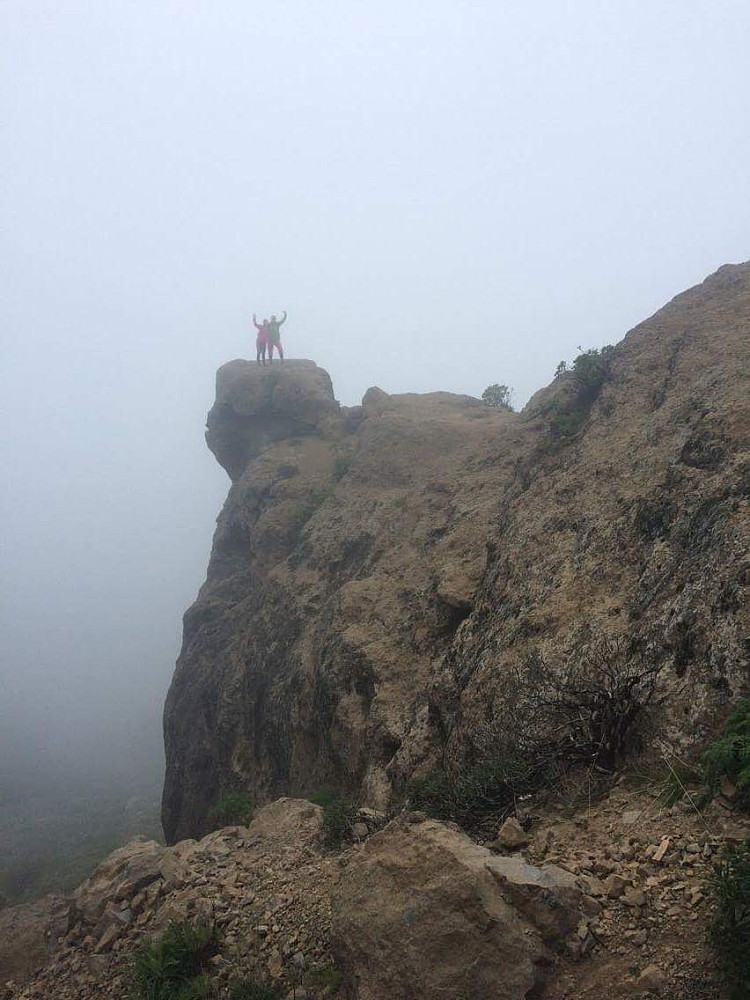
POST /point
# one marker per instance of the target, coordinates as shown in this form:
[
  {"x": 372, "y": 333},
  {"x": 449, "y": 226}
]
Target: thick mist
[{"x": 441, "y": 195}]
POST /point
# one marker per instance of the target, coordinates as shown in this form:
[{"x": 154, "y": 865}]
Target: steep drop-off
[{"x": 380, "y": 572}]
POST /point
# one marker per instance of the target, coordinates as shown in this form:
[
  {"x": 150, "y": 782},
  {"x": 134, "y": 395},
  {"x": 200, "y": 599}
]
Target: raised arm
[
  {"x": 257, "y": 327},
  {"x": 282, "y": 321}
]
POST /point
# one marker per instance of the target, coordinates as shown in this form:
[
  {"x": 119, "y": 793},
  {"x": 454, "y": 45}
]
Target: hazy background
[{"x": 441, "y": 194}]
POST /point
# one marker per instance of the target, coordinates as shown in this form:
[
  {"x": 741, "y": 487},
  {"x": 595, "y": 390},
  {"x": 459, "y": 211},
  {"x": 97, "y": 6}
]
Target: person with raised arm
[
  {"x": 274, "y": 336},
  {"x": 261, "y": 340}
]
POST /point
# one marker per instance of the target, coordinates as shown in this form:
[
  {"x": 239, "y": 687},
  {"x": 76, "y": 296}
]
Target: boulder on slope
[{"x": 422, "y": 911}]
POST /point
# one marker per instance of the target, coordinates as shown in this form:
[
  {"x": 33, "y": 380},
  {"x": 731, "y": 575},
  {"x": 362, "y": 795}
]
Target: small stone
[
  {"x": 593, "y": 885},
  {"x": 512, "y": 835},
  {"x": 614, "y": 886},
  {"x": 640, "y": 937},
  {"x": 653, "y": 979},
  {"x": 693, "y": 848},
  {"x": 360, "y": 831},
  {"x": 634, "y": 897},
  {"x": 662, "y": 849}
]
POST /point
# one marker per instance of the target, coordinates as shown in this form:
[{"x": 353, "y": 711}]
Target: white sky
[{"x": 441, "y": 194}]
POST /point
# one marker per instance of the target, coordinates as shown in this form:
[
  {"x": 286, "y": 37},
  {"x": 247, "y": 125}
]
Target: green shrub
[
  {"x": 470, "y": 796},
  {"x": 254, "y": 989},
  {"x": 730, "y": 755},
  {"x": 232, "y": 809},
  {"x": 339, "y": 815},
  {"x": 565, "y": 425},
  {"x": 326, "y": 981},
  {"x": 172, "y": 966},
  {"x": 590, "y": 370},
  {"x": 586, "y": 713},
  {"x": 587, "y": 374},
  {"x": 499, "y": 396},
  {"x": 729, "y": 932}
]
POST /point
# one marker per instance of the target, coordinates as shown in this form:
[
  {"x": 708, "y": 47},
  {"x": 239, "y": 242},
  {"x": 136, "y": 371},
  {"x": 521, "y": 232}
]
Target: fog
[{"x": 441, "y": 195}]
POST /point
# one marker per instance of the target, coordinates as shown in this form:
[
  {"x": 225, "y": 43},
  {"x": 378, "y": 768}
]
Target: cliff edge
[{"x": 382, "y": 574}]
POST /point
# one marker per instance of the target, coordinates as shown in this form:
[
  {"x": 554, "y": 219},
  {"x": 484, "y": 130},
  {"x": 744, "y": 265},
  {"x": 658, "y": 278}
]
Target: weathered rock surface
[
  {"x": 382, "y": 574},
  {"x": 29, "y": 933},
  {"x": 257, "y": 405},
  {"x": 423, "y": 911}
]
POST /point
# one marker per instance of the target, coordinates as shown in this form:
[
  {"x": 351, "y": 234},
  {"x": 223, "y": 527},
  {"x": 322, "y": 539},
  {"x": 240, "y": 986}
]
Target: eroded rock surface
[{"x": 381, "y": 574}]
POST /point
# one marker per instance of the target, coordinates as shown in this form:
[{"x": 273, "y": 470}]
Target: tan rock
[
  {"x": 653, "y": 979},
  {"x": 121, "y": 876},
  {"x": 512, "y": 835},
  {"x": 661, "y": 851},
  {"x": 423, "y": 911},
  {"x": 634, "y": 897},
  {"x": 288, "y": 820}
]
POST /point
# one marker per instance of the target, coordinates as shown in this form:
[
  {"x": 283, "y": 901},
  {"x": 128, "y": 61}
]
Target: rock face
[
  {"x": 381, "y": 574},
  {"x": 423, "y": 911}
]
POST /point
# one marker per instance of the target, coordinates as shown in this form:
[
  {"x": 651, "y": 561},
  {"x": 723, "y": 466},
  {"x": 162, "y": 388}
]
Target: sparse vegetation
[
  {"x": 729, "y": 756},
  {"x": 729, "y": 932},
  {"x": 254, "y": 989},
  {"x": 173, "y": 966},
  {"x": 584, "y": 714},
  {"x": 232, "y": 809},
  {"x": 587, "y": 711},
  {"x": 588, "y": 373},
  {"x": 499, "y": 396},
  {"x": 669, "y": 778},
  {"x": 470, "y": 796},
  {"x": 326, "y": 981},
  {"x": 339, "y": 814}
]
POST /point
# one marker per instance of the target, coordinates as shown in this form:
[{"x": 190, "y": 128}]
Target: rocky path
[{"x": 609, "y": 901}]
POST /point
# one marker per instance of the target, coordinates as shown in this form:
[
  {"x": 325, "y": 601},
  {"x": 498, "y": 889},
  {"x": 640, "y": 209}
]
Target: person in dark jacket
[{"x": 274, "y": 336}]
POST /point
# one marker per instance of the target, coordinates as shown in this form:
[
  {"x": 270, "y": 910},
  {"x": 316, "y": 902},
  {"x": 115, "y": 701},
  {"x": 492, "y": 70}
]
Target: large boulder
[
  {"x": 120, "y": 877},
  {"x": 422, "y": 911},
  {"x": 257, "y": 405},
  {"x": 294, "y": 821}
]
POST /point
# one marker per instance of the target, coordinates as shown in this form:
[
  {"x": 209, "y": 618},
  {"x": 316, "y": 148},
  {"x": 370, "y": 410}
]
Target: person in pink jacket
[{"x": 261, "y": 340}]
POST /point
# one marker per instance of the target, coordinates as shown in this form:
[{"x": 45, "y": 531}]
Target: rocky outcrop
[
  {"x": 382, "y": 575},
  {"x": 257, "y": 405},
  {"x": 343, "y": 562},
  {"x": 423, "y": 911}
]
